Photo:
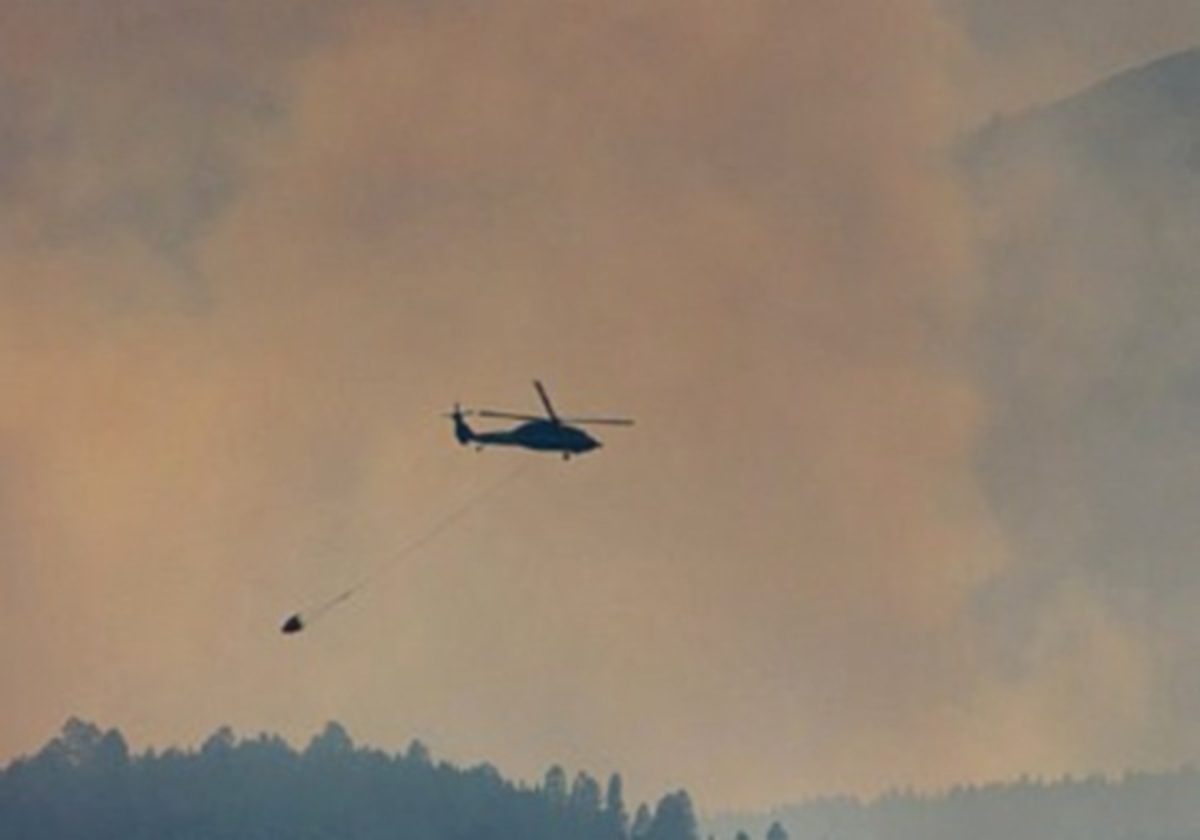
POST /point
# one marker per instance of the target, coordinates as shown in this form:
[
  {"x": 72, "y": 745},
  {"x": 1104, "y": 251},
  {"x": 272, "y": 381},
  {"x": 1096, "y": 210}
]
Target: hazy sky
[{"x": 250, "y": 249}]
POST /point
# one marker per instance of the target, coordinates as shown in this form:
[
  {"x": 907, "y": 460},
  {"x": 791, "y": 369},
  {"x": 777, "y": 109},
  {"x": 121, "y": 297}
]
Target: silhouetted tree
[
  {"x": 674, "y": 819},
  {"x": 220, "y": 743},
  {"x": 554, "y": 785},
  {"x": 615, "y": 816},
  {"x": 585, "y": 794},
  {"x": 78, "y": 783},
  {"x": 418, "y": 753},
  {"x": 642, "y": 820},
  {"x": 333, "y": 741},
  {"x": 78, "y": 744}
]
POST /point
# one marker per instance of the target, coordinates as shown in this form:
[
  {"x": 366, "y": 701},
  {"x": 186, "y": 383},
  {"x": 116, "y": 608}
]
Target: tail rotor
[{"x": 462, "y": 432}]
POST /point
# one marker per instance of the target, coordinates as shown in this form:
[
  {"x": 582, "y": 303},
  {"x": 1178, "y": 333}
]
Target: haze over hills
[
  {"x": 1146, "y": 806},
  {"x": 250, "y": 256},
  {"x": 1089, "y": 344},
  {"x": 1087, "y": 341},
  {"x": 1146, "y": 115}
]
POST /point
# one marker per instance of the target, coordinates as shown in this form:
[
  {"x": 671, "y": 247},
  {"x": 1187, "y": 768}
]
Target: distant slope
[
  {"x": 1088, "y": 353},
  {"x": 1088, "y": 357},
  {"x": 1137, "y": 807},
  {"x": 1146, "y": 117}
]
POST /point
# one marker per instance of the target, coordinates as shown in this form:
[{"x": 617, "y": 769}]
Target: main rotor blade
[
  {"x": 506, "y": 415},
  {"x": 598, "y": 421},
  {"x": 545, "y": 401}
]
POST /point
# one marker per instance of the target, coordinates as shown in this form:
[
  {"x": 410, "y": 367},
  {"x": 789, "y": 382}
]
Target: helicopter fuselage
[
  {"x": 551, "y": 433},
  {"x": 542, "y": 435}
]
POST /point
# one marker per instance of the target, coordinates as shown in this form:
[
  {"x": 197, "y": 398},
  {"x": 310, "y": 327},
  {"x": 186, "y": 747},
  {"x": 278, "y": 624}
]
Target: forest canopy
[{"x": 85, "y": 783}]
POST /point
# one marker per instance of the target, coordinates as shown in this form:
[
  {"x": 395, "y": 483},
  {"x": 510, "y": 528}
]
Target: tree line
[
  {"x": 85, "y": 783},
  {"x": 1134, "y": 806}
]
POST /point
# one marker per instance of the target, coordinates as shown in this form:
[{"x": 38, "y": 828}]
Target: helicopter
[{"x": 550, "y": 433}]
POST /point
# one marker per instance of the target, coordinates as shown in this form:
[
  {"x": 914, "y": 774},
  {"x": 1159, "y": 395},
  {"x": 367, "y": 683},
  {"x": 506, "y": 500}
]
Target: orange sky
[{"x": 251, "y": 250}]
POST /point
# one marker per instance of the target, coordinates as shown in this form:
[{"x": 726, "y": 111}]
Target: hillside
[
  {"x": 1144, "y": 806},
  {"x": 1143, "y": 118},
  {"x": 1088, "y": 357},
  {"x": 1088, "y": 341}
]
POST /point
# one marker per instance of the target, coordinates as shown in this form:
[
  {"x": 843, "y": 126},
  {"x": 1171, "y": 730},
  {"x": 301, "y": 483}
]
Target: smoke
[
  {"x": 1087, "y": 463},
  {"x": 251, "y": 259}
]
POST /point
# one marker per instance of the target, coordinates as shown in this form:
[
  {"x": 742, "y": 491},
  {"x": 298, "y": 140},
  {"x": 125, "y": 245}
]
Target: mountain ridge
[{"x": 1145, "y": 115}]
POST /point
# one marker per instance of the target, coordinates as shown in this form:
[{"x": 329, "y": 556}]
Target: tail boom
[{"x": 462, "y": 432}]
